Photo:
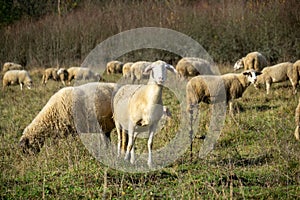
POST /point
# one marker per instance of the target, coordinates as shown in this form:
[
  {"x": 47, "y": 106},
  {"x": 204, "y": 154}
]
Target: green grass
[{"x": 256, "y": 156}]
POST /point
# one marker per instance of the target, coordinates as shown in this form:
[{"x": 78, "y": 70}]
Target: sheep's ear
[
  {"x": 171, "y": 68},
  {"x": 258, "y": 73},
  {"x": 246, "y": 73},
  {"x": 148, "y": 69}
]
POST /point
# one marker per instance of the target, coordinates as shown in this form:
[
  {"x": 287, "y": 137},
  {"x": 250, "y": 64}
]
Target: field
[{"x": 256, "y": 156}]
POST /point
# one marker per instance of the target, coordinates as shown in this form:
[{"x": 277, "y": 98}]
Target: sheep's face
[
  {"x": 238, "y": 65},
  {"x": 28, "y": 146},
  {"x": 28, "y": 84},
  {"x": 159, "y": 72},
  {"x": 251, "y": 76}
]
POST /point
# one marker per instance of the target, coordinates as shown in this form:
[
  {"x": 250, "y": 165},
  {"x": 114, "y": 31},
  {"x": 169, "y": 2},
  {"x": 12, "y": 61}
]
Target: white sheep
[
  {"x": 137, "y": 107},
  {"x": 137, "y": 69},
  {"x": 192, "y": 66},
  {"x": 126, "y": 70},
  {"x": 11, "y": 66},
  {"x": 67, "y": 107},
  {"x": 114, "y": 67},
  {"x": 81, "y": 73},
  {"x": 14, "y": 77},
  {"x": 278, "y": 73},
  {"x": 253, "y": 60},
  {"x": 297, "y": 121},
  {"x": 207, "y": 89}
]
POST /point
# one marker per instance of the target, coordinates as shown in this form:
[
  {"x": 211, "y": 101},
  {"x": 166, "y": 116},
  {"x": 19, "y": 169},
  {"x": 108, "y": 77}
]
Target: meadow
[{"x": 256, "y": 156}]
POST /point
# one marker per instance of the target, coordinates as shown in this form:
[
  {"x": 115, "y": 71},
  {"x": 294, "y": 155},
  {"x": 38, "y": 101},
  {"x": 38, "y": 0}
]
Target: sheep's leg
[
  {"x": 297, "y": 133},
  {"x": 268, "y": 86},
  {"x": 230, "y": 103},
  {"x": 124, "y": 141},
  {"x": 150, "y": 143},
  {"x": 119, "y": 138},
  {"x": 131, "y": 138},
  {"x": 21, "y": 85}
]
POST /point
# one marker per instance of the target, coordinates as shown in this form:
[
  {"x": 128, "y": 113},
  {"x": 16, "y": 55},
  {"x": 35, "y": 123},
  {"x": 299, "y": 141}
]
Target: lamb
[
  {"x": 80, "y": 73},
  {"x": 67, "y": 108},
  {"x": 207, "y": 89},
  {"x": 14, "y": 77},
  {"x": 126, "y": 70},
  {"x": 11, "y": 66},
  {"x": 278, "y": 73},
  {"x": 253, "y": 60},
  {"x": 137, "y": 107},
  {"x": 114, "y": 67},
  {"x": 137, "y": 69},
  {"x": 297, "y": 121}
]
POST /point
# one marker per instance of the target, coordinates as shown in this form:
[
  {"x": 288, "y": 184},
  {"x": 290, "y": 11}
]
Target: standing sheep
[
  {"x": 137, "y": 69},
  {"x": 14, "y": 77},
  {"x": 114, "y": 67},
  {"x": 81, "y": 73},
  {"x": 278, "y": 73},
  {"x": 11, "y": 66},
  {"x": 207, "y": 88},
  {"x": 49, "y": 73},
  {"x": 191, "y": 66},
  {"x": 297, "y": 121},
  {"x": 63, "y": 75},
  {"x": 126, "y": 70},
  {"x": 59, "y": 115},
  {"x": 137, "y": 107},
  {"x": 253, "y": 60}
]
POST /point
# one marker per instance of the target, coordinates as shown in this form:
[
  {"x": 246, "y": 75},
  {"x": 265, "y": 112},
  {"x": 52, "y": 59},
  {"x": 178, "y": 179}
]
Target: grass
[{"x": 256, "y": 156}]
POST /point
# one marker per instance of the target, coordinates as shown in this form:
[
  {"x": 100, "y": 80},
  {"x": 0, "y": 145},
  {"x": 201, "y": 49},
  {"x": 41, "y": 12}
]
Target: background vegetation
[
  {"x": 49, "y": 33},
  {"x": 256, "y": 157}
]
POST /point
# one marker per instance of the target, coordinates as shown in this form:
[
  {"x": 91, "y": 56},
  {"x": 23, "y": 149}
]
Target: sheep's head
[
  {"x": 159, "y": 72},
  {"x": 28, "y": 83},
  {"x": 239, "y": 64},
  {"x": 251, "y": 76},
  {"x": 29, "y": 144}
]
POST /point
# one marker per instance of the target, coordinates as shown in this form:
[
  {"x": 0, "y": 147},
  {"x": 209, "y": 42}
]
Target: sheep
[
  {"x": 136, "y": 107},
  {"x": 253, "y": 60},
  {"x": 126, "y": 70},
  {"x": 192, "y": 66},
  {"x": 297, "y": 121},
  {"x": 14, "y": 77},
  {"x": 114, "y": 67},
  {"x": 207, "y": 88},
  {"x": 66, "y": 108},
  {"x": 278, "y": 73},
  {"x": 137, "y": 69},
  {"x": 81, "y": 73},
  {"x": 11, "y": 66}
]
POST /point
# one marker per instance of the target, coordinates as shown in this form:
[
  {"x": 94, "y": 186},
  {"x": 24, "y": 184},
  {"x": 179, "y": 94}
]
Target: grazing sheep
[
  {"x": 49, "y": 73},
  {"x": 59, "y": 115},
  {"x": 253, "y": 60},
  {"x": 14, "y": 77},
  {"x": 137, "y": 69},
  {"x": 11, "y": 66},
  {"x": 297, "y": 120},
  {"x": 80, "y": 73},
  {"x": 277, "y": 73},
  {"x": 207, "y": 88},
  {"x": 191, "y": 66},
  {"x": 126, "y": 70},
  {"x": 137, "y": 107},
  {"x": 114, "y": 67}
]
